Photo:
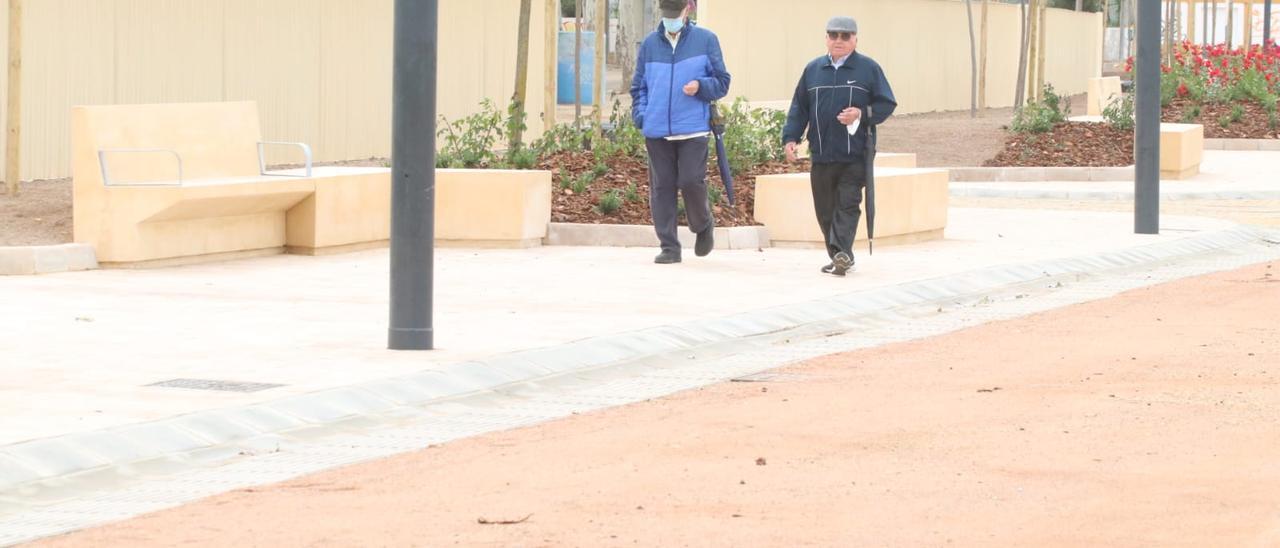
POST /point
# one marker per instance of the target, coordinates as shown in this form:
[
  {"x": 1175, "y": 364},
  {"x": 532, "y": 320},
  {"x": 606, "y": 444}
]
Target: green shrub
[
  {"x": 633, "y": 193},
  {"x": 1119, "y": 114},
  {"x": 470, "y": 141},
  {"x": 581, "y": 183},
  {"x": 609, "y": 202},
  {"x": 752, "y": 136},
  {"x": 1040, "y": 116}
]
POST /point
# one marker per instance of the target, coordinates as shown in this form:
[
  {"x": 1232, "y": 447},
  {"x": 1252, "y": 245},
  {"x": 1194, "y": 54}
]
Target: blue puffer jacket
[{"x": 659, "y": 106}]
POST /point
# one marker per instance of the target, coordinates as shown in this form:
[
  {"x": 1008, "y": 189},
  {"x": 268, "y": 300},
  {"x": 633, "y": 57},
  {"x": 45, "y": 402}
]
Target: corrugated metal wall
[
  {"x": 923, "y": 46},
  {"x": 319, "y": 69}
]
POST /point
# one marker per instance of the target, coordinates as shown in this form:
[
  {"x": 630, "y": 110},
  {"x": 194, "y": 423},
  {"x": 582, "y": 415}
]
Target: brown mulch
[
  {"x": 1253, "y": 125},
  {"x": 1071, "y": 144},
  {"x": 624, "y": 171}
]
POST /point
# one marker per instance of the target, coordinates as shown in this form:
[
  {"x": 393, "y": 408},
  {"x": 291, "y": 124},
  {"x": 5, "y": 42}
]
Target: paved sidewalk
[{"x": 85, "y": 346}]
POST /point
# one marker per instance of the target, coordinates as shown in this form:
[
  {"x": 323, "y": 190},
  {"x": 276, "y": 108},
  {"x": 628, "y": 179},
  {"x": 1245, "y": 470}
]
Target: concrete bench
[
  {"x": 1181, "y": 150},
  {"x": 158, "y": 184},
  {"x": 911, "y": 205},
  {"x": 184, "y": 182},
  {"x": 1102, "y": 92},
  {"x": 492, "y": 207}
]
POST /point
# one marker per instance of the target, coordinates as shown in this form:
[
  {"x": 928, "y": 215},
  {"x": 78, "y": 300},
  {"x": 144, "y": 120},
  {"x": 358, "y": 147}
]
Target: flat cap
[{"x": 842, "y": 24}]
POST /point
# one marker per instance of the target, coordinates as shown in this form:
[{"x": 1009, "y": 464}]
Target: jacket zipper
[
  {"x": 671, "y": 92},
  {"x": 849, "y": 136}
]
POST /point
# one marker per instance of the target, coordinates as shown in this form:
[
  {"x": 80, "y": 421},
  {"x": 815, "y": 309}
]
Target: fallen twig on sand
[{"x": 483, "y": 521}]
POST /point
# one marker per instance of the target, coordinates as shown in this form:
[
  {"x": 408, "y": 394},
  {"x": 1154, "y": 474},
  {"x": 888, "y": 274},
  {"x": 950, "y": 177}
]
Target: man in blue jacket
[
  {"x": 679, "y": 72},
  {"x": 840, "y": 94}
]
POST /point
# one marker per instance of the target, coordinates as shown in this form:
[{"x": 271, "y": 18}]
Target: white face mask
[{"x": 673, "y": 25}]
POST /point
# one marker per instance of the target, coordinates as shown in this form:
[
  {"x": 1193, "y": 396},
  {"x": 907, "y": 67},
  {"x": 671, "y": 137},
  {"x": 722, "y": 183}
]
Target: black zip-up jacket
[{"x": 823, "y": 93}]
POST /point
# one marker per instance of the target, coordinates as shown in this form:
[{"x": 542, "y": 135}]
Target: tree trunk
[
  {"x": 577, "y": 64},
  {"x": 1204, "y": 34},
  {"x": 973, "y": 62},
  {"x": 13, "y": 140},
  {"x": 550, "y": 45},
  {"x": 518, "y": 99},
  {"x": 630, "y": 32},
  {"x": 1019, "y": 95},
  {"x": 588, "y": 13},
  {"x": 1079, "y": 5},
  {"x": 599, "y": 88},
  {"x": 1231, "y": 20},
  {"x": 1042, "y": 31},
  {"x": 1213, "y": 30},
  {"x": 1033, "y": 39},
  {"x": 982, "y": 63}
]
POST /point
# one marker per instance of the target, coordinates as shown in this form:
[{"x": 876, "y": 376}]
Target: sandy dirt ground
[{"x": 1147, "y": 419}]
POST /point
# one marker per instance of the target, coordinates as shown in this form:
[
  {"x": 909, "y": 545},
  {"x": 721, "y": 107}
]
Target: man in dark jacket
[
  {"x": 679, "y": 72},
  {"x": 839, "y": 96}
]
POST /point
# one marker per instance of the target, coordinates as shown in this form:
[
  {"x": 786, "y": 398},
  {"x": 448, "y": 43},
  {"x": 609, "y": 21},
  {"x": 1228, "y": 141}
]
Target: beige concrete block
[
  {"x": 492, "y": 205},
  {"x": 1181, "y": 150},
  {"x": 895, "y": 159},
  {"x": 350, "y": 209},
  {"x": 1102, "y": 92},
  {"x": 908, "y": 200}
]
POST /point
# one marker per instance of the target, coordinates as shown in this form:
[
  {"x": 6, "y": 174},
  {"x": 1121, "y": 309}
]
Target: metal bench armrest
[
  {"x": 106, "y": 175},
  {"x": 262, "y": 158}
]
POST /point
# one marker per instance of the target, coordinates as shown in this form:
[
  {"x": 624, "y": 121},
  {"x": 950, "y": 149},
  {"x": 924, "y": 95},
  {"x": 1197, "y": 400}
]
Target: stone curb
[
  {"x": 574, "y": 234},
  {"x": 46, "y": 259},
  {"x": 1039, "y": 174},
  {"x": 973, "y": 191},
  {"x": 1242, "y": 144}
]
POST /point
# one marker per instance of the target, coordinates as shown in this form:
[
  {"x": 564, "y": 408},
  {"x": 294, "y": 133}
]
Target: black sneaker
[
  {"x": 841, "y": 263},
  {"x": 706, "y": 242},
  {"x": 667, "y": 257}
]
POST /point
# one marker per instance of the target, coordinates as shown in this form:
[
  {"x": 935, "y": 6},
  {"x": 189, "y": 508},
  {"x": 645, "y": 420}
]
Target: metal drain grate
[{"x": 220, "y": 386}]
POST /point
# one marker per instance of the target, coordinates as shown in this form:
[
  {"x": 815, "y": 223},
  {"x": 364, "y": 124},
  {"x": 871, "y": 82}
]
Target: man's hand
[
  {"x": 691, "y": 88},
  {"x": 850, "y": 115},
  {"x": 791, "y": 152}
]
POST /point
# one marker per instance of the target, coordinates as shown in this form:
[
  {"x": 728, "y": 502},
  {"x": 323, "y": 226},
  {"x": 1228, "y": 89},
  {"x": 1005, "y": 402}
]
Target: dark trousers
[
  {"x": 837, "y": 200},
  {"x": 678, "y": 166}
]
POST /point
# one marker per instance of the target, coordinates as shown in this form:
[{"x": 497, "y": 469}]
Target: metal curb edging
[
  {"x": 610, "y": 235},
  {"x": 223, "y": 433}
]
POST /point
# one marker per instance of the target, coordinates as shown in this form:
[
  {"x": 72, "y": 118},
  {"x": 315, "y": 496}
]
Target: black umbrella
[
  {"x": 722, "y": 158},
  {"x": 870, "y": 158}
]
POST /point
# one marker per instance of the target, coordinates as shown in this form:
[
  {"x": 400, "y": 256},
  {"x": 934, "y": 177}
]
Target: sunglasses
[{"x": 843, "y": 36}]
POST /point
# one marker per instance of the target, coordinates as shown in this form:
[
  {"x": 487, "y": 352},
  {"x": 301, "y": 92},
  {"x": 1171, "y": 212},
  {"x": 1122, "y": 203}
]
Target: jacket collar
[
  {"x": 684, "y": 32},
  {"x": 848, "y": 62}
]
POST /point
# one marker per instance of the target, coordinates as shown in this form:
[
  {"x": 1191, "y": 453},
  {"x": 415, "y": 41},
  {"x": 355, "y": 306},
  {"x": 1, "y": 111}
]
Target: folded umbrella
[
  {"x": 722, "y": 158},
  {"x": 870, "y": 159}
]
